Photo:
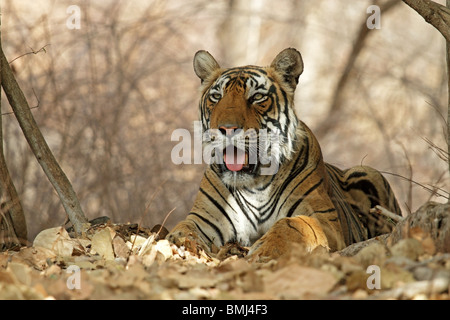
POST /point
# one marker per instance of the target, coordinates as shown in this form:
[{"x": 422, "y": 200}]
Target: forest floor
[{"x": 116, "y": 261}]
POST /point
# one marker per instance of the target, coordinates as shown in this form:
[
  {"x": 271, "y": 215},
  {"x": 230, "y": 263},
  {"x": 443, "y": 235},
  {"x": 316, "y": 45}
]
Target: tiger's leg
[
  {"x": 318, "y": 229},
  {"x": 278, "y": 240},
  {"x": 203, "y": 222},
  {"x": 367, "y": 188}
]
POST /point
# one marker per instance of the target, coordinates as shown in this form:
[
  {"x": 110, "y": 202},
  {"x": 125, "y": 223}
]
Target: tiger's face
[{"x": 248, "y": 119}]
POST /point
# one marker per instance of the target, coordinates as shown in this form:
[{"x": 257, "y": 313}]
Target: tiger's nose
[{"x": 228, "y": 129}]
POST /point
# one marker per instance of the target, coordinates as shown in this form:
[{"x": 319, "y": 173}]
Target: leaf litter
[{"x": 121, "y": 261}]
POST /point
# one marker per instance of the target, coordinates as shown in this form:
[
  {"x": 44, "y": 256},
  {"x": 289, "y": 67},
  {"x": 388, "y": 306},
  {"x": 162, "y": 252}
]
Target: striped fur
[{"x": 305, "y": 200}]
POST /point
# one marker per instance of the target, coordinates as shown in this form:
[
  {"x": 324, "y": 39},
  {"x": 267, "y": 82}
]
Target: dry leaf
[
  {"x": 297, "y": 282},
  {"x": 120, "y": 248},
  {"x": 7, "y": 277},
  {"x": 53, "y": 270},
  {"x": 4, "y": 257},
  {"x": 136, "y": 242},
  {"x": 18, "y": 292},
  {"x": 149, "y": 257},
  {"x": 38, "y": 257},
  {"x": 188, "y": 272},
  {"x": 39, "y": 288},
  {"x": 21, "y": 272},
  {"x": 56, "y": 239},
  {"x": 102, "y": 244},
  {"x": 164, "y": 247},
  {"x": 147, "y": 245},
  {"x": 197, "y": 278},
  {"x": 250, "y": 281}
]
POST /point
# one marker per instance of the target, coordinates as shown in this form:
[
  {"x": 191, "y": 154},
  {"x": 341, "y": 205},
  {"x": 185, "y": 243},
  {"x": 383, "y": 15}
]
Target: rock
[
  {"x": 374, "y": 254},
  {"x": 433, "y": 219},
  {"x": 409, "y": 248}
]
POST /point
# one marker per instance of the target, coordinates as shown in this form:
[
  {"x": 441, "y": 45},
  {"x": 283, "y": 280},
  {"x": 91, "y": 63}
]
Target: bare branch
[
  {"x": 434, "y": 13},
  {"x": 439, "y": 17},
  {"x": 445, "y": 194},
  {"x": 358, "y": 47}
]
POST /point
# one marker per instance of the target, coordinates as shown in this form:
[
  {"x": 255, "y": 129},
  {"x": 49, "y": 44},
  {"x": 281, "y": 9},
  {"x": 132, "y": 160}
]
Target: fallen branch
[
  {"x": 354, "y": 248},
  {"x": 380, "y": 210}
]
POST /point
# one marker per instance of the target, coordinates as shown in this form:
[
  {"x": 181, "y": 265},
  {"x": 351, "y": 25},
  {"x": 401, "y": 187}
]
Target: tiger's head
[{"x": 247, "y": 114}]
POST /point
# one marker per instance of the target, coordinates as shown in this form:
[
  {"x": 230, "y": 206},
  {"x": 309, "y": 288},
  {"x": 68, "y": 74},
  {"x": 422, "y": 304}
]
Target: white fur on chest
[{"x": 246, "y": 217}]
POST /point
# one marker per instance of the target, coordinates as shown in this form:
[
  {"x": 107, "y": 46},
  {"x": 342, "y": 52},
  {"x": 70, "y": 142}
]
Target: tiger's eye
[
  {"x": 215, "y": 97},
  {"x": 258, "y": 96}
]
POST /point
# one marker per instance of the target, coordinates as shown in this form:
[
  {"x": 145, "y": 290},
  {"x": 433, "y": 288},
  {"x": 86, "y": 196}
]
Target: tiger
[{"x": 267, "y": 194}]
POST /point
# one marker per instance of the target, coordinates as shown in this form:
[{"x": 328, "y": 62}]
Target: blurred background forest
[{"x": 108, "y": 95}]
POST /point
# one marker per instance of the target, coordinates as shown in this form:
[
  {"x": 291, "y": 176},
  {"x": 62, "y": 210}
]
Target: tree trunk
[
  {"x": 448, "y": 98},
  {"x": 40, "y": 148},
  {"x": 13, "y": 228}
]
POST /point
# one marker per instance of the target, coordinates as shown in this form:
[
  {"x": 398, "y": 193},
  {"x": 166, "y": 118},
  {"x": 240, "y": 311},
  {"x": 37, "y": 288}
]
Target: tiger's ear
[
  {"x": 289, "y": 64},
  {"x": 204, "y": 64}
]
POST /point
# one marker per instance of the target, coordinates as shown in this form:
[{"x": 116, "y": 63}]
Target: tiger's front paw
[
  {"x": 266, "y": 248},
  {"x": 278, "y": 240},
  {"x": 179, "y": 236},
  {"x": 184, "y": 235},
  {"x": 176, "y": 237}
]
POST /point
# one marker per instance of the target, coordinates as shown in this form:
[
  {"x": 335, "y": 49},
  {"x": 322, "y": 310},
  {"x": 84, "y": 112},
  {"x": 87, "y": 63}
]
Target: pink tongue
[{"x": 234, "y": 159}]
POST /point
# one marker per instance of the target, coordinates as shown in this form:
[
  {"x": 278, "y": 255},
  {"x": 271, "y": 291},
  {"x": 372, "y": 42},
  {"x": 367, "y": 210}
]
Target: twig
[
  {"x": 440, "y": 152},
  {"x": 435, "y": 187},
  {"x": 433, "y": 191},
  {"x": 380, "y": 210},
  {"x": 164, "y": 221},
  {"x": 36, "y": 106},
  {"x": 12, "y": 112},
  {"x": 146, "y": 211},
  {"x": 410, "y": 170},
  {"x": 31, "y": 52}
]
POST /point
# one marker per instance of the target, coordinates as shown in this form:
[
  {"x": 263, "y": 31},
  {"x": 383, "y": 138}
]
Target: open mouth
[{"x": 236, "y": 159}]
